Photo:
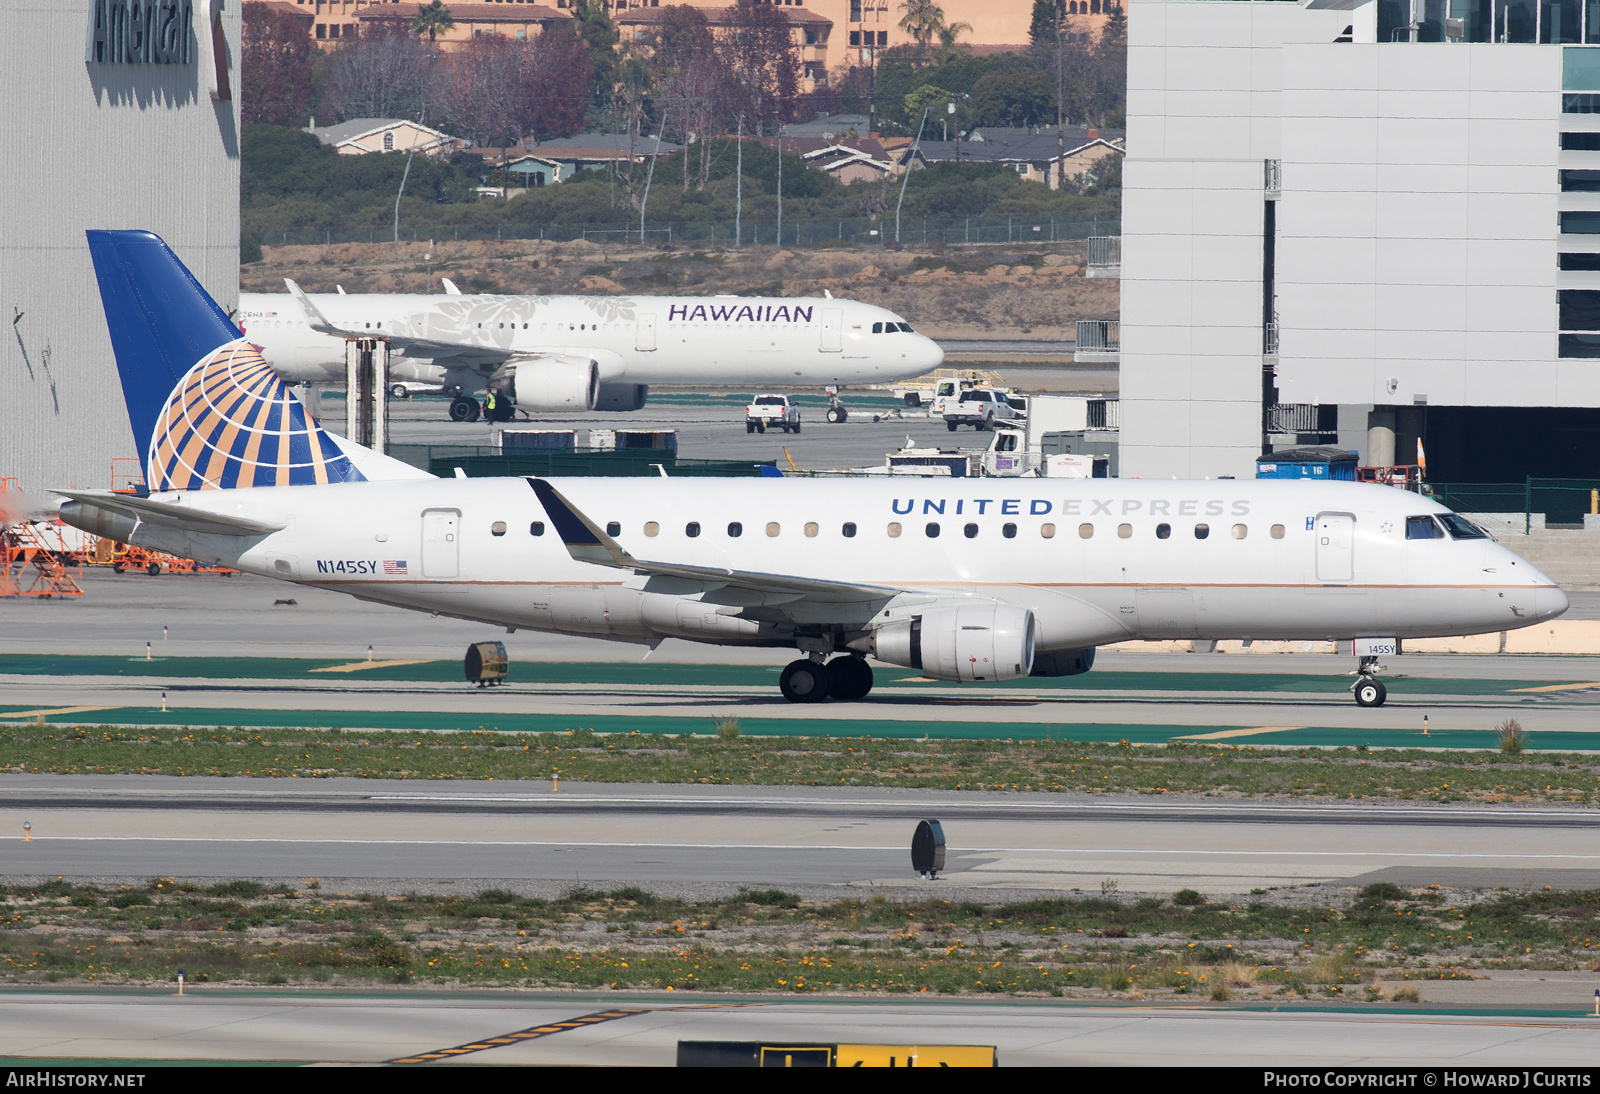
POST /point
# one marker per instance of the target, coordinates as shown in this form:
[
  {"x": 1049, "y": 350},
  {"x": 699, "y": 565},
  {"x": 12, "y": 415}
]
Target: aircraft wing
[
  {"x": 586, "y": 541},
  {"x": 177, "y": 517},
  {"x": 411, "y": 344}
]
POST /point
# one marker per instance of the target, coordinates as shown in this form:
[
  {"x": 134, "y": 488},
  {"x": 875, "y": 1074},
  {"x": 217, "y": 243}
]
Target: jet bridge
[{"x": 366, "y": 393}]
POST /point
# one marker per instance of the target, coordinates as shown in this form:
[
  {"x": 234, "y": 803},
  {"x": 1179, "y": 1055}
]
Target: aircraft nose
[
  {"x": 1549, "y": 601},
  {"x": 935, "y": 355}
]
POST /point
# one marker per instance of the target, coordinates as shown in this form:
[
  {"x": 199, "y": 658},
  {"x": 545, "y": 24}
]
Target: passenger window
[
  {"x": 1163, "y": 531},
  {"x": 971, "y": 531},
  {"x": 1422, "y": 528},
  {"x": 1201, "y": 531},
  {"x": 1124, "y": 531},
  {"x": 651, "y": 528},
  {"x": 849, "y": 531},
  {"x": 536, "y": 528},
  {"x": 932, "y": 529},
  {"x": 1277, "y": 531},
  {"x": 811, "y": 528},
  {"x": 1240, "y": 531},
  {"x": 773, "y": 529},
  {"x": 1085, "y": 531},
  {"x": 692, "y": 529},
  {"x": 735, "y": 529},
  {"x": 1009, "y": 531},
  {"x": 1048, "y": 531},
  {"x": 613, "y": 528},
  {"x": 498, "y": 528},
  {"x": 894, "y": 530}
]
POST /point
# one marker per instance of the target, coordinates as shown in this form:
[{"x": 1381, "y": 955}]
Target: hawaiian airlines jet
[
  {"x": 567, "y": 353},
  {"x": 966, "y": 580}
]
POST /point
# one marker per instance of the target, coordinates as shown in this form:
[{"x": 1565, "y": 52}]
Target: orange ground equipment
[{"x": 34, "y": 557}]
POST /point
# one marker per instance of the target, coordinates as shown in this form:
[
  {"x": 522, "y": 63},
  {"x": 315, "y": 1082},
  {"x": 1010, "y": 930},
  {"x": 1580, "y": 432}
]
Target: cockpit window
[
  {"x": 877, "y": 328},
  {"x": 1460, "y": 527},
  {"x": 1422, "y": 528},
  {"x": 906, "y": 327}
]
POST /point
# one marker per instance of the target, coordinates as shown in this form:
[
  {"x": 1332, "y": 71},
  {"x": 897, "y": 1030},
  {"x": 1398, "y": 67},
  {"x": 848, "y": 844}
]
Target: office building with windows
[{"x": 1363, "y": 222}]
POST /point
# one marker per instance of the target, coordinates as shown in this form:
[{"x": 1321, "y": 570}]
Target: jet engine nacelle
[
  {"x": 105, "y": 523},
  {"x": 972, "y": 643},
  {"x": 555, "y": 383},
  {"x": 1063, "y": 662},
  {"x": 622, "y": 396}
]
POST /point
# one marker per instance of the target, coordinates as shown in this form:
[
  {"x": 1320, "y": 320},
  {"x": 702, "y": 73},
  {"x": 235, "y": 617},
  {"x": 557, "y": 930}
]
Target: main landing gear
[
  {"x": 464, "y": 408},
  {"x": 809, "y": 680},
  {"x": 1368, "y": 689}
]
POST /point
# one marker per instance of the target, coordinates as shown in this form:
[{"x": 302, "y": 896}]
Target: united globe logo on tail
[{"x": 232, "y": 423}]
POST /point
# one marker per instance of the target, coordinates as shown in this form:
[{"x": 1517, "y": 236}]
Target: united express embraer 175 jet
[
  {"x": 572, "y": 353},
  {"x": 968, "y": 580}
]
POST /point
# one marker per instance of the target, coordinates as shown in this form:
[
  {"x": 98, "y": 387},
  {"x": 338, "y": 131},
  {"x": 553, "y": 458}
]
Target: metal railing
[
  {"x": 1295, "y": 418},
  {"x": 1269, "y": 339},
  {"x": 1272, "y": 180},
  {"x": 1105, "y": 414},
  {"x": 1105, "y": 256},
  {"x": 1099, "y": 335}
]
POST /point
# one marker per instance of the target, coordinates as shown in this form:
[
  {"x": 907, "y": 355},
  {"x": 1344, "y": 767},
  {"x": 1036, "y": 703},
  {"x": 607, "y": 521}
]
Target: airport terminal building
[
  {"x": 113, "y": 114},
  {"x": 1363, "y": 222}
]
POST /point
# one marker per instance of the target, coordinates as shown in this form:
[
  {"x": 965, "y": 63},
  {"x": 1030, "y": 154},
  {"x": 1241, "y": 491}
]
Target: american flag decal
[{"x": 392, "y": 566}]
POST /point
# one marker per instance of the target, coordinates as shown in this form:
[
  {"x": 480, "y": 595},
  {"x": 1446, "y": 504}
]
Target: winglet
[
  {"x": 449, "y": 287},
  {"x": 583, "y": 538},
  {"x": 314, "y": 317}
]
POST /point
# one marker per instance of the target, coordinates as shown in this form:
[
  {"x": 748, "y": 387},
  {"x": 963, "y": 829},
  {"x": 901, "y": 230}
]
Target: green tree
[
  {"x": 1047, "y": 17},
  {"x": 949, "y": 48},
  {"x": 1017, "y": 98},
  {"x": 432, "y": 18},
  {"x": 927, "y": 97},
  {"x": 922, "y": 20}
]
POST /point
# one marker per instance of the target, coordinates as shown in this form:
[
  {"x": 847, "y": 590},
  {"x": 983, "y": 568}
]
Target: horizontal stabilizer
[
  {"x": 167, "y": 515},
  {"x": 586, "y": 541}
]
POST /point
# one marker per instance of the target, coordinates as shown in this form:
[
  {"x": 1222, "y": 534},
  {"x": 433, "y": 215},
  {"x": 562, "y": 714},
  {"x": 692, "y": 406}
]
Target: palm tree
[
  {"x": 432, "y": 18},
  {"x": 922, "y": 20},
  {"x": 948, "y": 33}
]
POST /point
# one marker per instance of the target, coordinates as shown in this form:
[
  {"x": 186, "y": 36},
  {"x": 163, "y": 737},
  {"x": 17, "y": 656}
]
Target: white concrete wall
[
  {"x": 95, "y": 146},
  {"x": 1418, "y": 225},
  {"x": 1204, "y": 94}
]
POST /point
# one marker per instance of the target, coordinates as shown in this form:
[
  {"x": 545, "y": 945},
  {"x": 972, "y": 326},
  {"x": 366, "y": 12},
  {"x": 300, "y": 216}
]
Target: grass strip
[
  {"x": 1377, "y": 946},
  {"x": 1212, "y": 770}
]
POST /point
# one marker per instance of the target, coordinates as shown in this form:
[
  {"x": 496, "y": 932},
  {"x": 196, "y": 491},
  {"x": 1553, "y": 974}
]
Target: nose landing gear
[{"x": 1368, "y": 689}]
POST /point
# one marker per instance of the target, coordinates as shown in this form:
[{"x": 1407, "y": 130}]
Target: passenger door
[
  {"x": 1336, "y": 535},
  {"x": 441, "y": 542},
  {"x": 832, "y": 330}
]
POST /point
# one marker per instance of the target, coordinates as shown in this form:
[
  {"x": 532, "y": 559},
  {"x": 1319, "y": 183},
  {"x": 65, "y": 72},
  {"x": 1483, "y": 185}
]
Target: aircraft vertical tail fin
[{"x": 207, "y": 411}]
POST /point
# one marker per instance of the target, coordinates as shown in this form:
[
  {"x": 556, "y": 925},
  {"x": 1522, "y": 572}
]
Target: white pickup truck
[
  {"x": 767, "y": 411},
  {"x": 979, "y": 407}
]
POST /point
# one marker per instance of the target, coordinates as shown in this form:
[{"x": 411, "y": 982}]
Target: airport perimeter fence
[
  {"x": 1526, "y": 506},
  {"x": 919, "y": 231}
]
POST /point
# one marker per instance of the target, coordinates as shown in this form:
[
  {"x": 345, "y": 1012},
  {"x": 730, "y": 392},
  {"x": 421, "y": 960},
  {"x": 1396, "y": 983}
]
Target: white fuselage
[
  {"x": 1279, "y": 560},
  {"x": 748, "y": 341}
]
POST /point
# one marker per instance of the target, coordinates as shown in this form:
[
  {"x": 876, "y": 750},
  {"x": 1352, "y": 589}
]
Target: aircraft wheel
[
  {"x": 1371, "y": 693},
  {"x": 913, "y": 399},
  {"x": 837, "y": 414},
  {"x": 153, "y": 569},
  {"x": 804, "y": 681},
  {"x": 463, "y": 409},
  {"x": 951, "y": 426},
  {"x": 849, "y": 678}
]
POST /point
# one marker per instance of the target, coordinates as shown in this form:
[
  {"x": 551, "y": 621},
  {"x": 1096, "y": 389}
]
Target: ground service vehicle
[{"x": 771, "y": 412}]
